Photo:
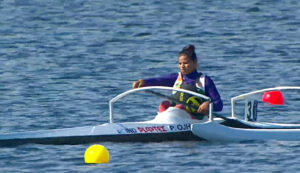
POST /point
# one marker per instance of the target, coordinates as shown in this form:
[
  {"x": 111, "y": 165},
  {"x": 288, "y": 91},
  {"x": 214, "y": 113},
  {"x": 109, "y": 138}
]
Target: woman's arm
[
  {"x": 212, "y": 92},
  {"x": 167, "y": 80}
]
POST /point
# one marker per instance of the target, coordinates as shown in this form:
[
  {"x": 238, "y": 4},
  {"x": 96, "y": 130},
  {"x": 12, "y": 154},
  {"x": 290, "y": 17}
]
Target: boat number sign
[
  {"x": 251, "y": 110},
  {"x": 157, "y": 128}
]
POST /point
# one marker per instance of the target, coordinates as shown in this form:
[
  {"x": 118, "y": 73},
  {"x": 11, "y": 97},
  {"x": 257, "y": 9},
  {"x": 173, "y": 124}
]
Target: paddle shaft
[{"x": 184, "y": 104}]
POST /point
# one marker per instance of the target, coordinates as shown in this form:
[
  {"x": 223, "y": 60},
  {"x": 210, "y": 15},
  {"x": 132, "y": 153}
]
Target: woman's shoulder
[
  {"x": 203, "y": 75},
  {"x": 206, "y": 79}
]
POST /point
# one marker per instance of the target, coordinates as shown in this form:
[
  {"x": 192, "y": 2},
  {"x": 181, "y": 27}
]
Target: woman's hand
[
  {"x": 203, "y": 108},
  {"x": 138, "y": 84}
]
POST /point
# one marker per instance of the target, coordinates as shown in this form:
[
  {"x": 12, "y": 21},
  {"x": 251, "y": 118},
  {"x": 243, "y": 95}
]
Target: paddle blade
[{"x": 273, "y": 98}]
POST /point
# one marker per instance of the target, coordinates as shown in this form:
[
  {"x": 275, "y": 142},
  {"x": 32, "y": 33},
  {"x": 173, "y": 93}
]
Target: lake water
[{"x": 62, "y": 61}]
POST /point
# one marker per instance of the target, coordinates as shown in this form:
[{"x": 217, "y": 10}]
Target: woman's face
[{"x": 186, "y": 66}]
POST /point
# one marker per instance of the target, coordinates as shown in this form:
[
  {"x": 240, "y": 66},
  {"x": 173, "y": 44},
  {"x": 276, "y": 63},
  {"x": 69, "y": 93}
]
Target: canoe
[{"x": 171, "y": 125}]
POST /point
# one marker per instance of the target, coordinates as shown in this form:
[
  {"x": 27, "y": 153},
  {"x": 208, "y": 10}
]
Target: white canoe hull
[
  {"x": 213, "y": 131},
  {"x": 123, "y": 132},
  {"x": 173, "y": 124}
]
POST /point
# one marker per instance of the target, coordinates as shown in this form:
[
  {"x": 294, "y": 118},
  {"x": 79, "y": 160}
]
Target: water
[{"x": 62, "y": 61}]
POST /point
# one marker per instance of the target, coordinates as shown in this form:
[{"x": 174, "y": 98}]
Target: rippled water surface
[{"x": 62, "y": 61}]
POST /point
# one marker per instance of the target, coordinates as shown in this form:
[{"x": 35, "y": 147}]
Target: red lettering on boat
[
  {"x": 141, "y": 129},
  {"x": 152, "y": 129}
]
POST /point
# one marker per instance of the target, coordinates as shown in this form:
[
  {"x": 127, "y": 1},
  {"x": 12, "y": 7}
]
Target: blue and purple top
[{"x": 210, "y": 88}]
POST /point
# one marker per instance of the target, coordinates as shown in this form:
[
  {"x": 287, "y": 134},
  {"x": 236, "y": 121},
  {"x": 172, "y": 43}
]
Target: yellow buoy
[{"x": 96, "y": 154}]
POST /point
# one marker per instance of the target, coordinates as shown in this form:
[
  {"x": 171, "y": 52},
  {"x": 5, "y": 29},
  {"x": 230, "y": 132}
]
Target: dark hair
[{"x": 189, "y": 52}]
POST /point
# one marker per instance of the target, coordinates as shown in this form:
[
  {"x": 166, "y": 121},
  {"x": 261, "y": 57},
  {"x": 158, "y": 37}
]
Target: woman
[{"x": 188, "y": 78}]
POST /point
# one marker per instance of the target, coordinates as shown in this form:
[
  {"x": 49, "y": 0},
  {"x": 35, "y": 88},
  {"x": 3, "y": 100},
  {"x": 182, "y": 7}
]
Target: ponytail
[{"x": 189, "y": 52}]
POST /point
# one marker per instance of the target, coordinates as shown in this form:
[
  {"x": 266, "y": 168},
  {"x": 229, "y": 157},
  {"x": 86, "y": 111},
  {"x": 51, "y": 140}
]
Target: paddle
[
  {"x": 185, "y": 104},
  {"x": 227, "y": 121}
]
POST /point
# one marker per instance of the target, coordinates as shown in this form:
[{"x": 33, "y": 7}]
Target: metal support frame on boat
[
  {"x": 116, "y": 98},
  {"x": 243, "y": 96}
]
